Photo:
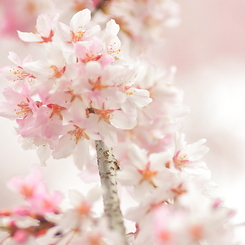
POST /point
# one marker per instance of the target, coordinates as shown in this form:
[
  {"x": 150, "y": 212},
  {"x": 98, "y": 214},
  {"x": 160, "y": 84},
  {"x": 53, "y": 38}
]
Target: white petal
[
  {"x": 12, "y": 96},
  {"x": 80, "y": 19},
  {"x": 29, "y": 37},
  {"x": 38, "y": 68},
  {"x": 93, "y": 70},
  {"x": 137, "y": 156},
  {"x": 92, "y": 31},
  {"x": 129, "y": 176},
  {"x": 43, "y": 25},
  {"x": 94, "y": 194},
  {"x": 14, "y": 58},
  {"x": 111, "y": 31},
  {"x": 82, "y": 155},
  {"x": 75, "y": 197},
  {"x": 122, "y": 120},
  {"x": 108, "y": 133},
  {"x": 141, "y": 97},
  {"x": 55, "y": 55},
  {"x": 65, "y": 147},
  {"x": 158, "y": 160}
]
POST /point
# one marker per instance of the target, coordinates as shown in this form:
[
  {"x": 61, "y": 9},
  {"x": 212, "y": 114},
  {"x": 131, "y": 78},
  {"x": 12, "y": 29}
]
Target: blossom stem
[{"x": 108, "y": 166}]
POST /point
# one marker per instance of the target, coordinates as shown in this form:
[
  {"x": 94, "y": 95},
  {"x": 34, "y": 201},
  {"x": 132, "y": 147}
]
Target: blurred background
[{"x": 208, "y": 49}]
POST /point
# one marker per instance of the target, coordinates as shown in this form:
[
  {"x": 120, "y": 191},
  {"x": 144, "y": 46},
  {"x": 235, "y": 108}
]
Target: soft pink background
[{"x": 209, "y": 52}]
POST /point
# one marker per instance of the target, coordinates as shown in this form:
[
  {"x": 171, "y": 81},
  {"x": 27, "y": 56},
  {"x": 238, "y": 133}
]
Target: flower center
[
  {"x": 147, "y": 174},
  {"x": 78, "y": 133},
  {"x": 180, "y": 160},
  {"x": 56, "y": 109},
  {"x": 25, "y": 110}
]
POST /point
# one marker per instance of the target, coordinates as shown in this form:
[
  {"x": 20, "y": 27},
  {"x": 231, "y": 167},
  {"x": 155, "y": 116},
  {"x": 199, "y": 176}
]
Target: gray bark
[{"x": 108, "y": 166}]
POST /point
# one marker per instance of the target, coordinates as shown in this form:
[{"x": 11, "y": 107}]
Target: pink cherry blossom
[
  {"x": 144, "y": 172},
  {"x": 28, "y": 186},
  {"x": 187, "y": 158},
  {"x": 44, "y": 28},
  {"x": 17, "y": 75}
]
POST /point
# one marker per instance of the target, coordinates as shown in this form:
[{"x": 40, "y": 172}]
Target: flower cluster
[
  {"x": 79, "y": 92},
  {"x": 42, "y": 215},
  {"x": 27, "y": 222},
  {"x": 172, "y": 191}
]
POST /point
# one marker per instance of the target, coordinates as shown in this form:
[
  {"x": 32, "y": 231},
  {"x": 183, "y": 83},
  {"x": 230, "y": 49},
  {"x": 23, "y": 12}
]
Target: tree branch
[{"x": 107, "y": 169}]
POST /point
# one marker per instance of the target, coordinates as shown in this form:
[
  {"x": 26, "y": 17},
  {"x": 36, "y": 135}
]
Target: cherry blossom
[
  {"x": 145, "y": 173},
  {"x": 187, "y": 158},
  {"x": 65, "y": 82},
  {"x": 44, "y": 28}
]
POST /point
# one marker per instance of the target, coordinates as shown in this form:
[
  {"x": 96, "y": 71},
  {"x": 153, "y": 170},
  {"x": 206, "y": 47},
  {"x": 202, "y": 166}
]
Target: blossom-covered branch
[{"x": 95, "y": 90}]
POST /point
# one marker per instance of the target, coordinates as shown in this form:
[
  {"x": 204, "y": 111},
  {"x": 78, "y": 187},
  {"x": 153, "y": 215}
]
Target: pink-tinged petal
[
  {"x": 141, "y": 97},
  {"x": 8, "y": 110},
  {"x": 82, "y": 155},
  {"x": 55, "y": 55},
  {"x": 92, "y": 32},
  {"x": 28, "y": 186},
  {"x": 196, "y": 150},
  {"x": 88, "y": 50},
  {"x": 13, "y": 96},
  {"x": 80, "y": 19},
  {"x": 93, "y": 70},
  {"x": 94, "y": 195},
  {"x": 115, "y": 97},
  {"x": 76, "y": 112},
  {"x": 158, "y": 160},
  {"x": 111, "y": 31},
  {"x": 90, "y": 174},
  {"x": 137, "y": 156},
  {"x": 76, "y": 197},
  {"x": 27, "y": 59},
  {"x": 107, "y": 133},
  {"x": 29, "y": 37},
  {"x": 40, "y": 69},
  {"x": 142, "y": 189},
  {"x": 129, "y": 176},
  {"x": 123, "y": 120},
  {"x": 92, "y": 127},
  {"x": 63, "y": 31},
  {"x": 106, "y": 59},
  {"x": 53, "y": 128},
  {"x": 65, "y": 147},
  {"x": 46, "y": 203},
  {"x": 81, "y": 48},
  {"x": 17, "y": 105}
]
